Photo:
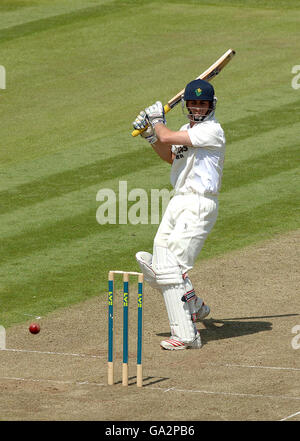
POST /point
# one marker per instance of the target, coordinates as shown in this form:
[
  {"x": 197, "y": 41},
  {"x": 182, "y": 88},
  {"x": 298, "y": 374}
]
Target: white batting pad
[
  {"x": 179, "y": 314},
  {"x": 144, "y": 260}
]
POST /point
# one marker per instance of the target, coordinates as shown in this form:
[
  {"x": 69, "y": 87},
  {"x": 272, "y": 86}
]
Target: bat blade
[{"x": 207, "y": 75}]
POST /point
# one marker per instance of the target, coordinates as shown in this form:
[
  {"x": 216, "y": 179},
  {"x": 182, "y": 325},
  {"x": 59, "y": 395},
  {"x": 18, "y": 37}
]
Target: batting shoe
[
  {"x": 202, "y": 312},
  {"x": 176, "y": 344}
]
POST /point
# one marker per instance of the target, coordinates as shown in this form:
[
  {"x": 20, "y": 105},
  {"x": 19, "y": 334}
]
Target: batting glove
[
  {"x": 140, "y": 123},
  {"x": 156, "y": 113}
]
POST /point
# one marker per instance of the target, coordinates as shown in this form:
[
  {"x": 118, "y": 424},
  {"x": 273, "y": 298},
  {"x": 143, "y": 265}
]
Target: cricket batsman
[{"x": 196, "y": 154}]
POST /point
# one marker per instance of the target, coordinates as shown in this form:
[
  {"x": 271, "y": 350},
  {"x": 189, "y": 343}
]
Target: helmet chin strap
[
  {"x": 197, "y": 119},
  {"x": 194, "y": 118}
]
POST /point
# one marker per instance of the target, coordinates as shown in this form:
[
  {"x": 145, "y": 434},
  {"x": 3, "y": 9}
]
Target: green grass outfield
[{"x": 77, "y": 73}]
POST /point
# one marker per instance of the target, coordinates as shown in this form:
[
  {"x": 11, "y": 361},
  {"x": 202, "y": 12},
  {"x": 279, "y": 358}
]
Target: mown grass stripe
[
  {"x": 68, "y": 181},
  {"x": 76, "y": 155},
  {"x": 249, "y": 4},
  {"x": 32, "y": 217},
  {"x": 101, "y": 170},
  {"x": 84, "y": 225},
  {"x": 81, "y": 250},
  {"x": 259, "y": 167},
  {"x": 71, "y": 18},
  {"x": 262, "y": 122},
  {"x": 259, "y": 223}
]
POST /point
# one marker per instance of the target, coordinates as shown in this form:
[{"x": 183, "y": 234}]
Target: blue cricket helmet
[{"x": 199, "y": 90}]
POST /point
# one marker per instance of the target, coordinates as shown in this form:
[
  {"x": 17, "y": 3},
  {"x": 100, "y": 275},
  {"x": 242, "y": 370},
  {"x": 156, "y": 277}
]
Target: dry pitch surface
[{"x": 247, "y": 369}]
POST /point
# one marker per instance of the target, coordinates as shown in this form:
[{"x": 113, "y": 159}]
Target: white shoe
[
  {"x": 176, "y": 344},
  {"x": 202, "y": 313}
]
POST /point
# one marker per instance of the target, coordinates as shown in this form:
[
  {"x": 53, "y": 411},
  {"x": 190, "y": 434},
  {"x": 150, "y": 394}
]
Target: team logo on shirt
[
  {"x": 180, "y": 151},
  {"x": 198, "y": 91}
]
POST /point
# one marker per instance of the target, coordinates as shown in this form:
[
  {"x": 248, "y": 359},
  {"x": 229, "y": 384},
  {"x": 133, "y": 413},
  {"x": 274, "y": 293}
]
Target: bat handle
[{"x": 167, "y": 109}]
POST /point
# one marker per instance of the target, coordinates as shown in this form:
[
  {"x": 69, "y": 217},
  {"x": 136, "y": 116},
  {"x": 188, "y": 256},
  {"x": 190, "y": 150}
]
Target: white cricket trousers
[{"x": 185, "y": 225}]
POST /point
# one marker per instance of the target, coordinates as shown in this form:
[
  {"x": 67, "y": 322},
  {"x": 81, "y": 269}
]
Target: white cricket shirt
[{"x": 199, "y": 168}]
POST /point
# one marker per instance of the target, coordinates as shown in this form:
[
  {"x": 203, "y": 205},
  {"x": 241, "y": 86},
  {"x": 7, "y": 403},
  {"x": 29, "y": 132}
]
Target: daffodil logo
[{"x": 198, "y": 91}]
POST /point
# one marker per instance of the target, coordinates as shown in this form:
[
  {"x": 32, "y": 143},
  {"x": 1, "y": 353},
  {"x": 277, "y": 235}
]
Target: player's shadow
[
  {"x": 235, "y": 327},
  {"x": 213, "y": 329},
  {"x": 218, "y": 329}
]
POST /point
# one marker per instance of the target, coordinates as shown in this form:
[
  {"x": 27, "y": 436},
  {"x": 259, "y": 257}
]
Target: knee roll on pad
[
  {"x": 144, "y": 260},
  {"x": 166, "y": 267}
]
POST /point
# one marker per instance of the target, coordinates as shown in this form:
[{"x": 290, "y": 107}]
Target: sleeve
[
  {"x": 175, "y": 147},
  {"x": 208, "y": 136}
]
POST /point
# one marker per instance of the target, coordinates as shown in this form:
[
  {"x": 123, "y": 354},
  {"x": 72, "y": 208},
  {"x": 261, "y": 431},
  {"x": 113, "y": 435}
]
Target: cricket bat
[{"x": 207, "y": 75}]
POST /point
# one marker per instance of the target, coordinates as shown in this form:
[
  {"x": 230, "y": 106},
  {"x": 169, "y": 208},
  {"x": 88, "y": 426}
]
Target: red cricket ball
[{"x": 34, "y": 328}]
